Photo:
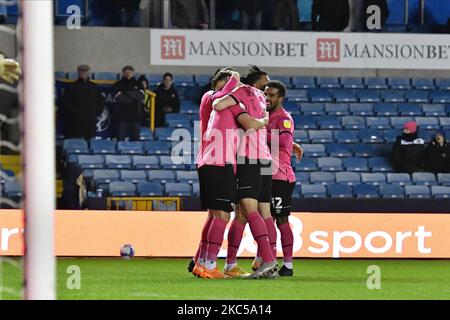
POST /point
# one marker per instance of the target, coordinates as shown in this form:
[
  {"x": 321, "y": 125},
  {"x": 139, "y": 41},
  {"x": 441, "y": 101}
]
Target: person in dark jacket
[
  {"x": 330, "y": 15},
  {"x": 189, "y": 14},
  {"x": 127, "y": 13},
  {"x": 129, "y": 102},
  {"x": 286, "y": 15},
  {"x": 251, "y": 14},
  {"x": 167, "y": 100},
  {"x": 437, "y": 153},
  {"x": 408, "y": 152},
  {"x": 82, "y": 102}
]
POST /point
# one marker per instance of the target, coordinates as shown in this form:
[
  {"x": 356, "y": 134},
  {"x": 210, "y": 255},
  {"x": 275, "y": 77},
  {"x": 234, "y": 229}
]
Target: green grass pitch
[{"x": 313, "y": 279}]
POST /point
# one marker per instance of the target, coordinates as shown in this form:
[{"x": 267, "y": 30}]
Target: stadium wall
[
  {"x": 108, "y": 49},
  {"x": 175, "y": 234}
]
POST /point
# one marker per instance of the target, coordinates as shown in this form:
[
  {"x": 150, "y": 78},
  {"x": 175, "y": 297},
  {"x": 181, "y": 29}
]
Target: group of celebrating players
[{"x": 244, "y": 161}]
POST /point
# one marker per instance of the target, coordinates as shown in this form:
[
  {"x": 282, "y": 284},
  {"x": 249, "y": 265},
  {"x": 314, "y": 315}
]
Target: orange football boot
[{"x": 198, "y": 270}]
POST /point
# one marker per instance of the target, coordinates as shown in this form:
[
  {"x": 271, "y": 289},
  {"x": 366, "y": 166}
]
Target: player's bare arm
[{"x": 248, "y": 122}]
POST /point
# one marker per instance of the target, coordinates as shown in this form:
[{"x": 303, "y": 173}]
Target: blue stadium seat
[
  {"x": 150, "y": 189},
  {"x": 72, "y": 75},
  {"x": 439, "y": 192},
  {"x": 305, "y": 122},
  {"x": 382, "y": 149},
  {"x": 375, "y": 83},
  {"x": 178, "y": 120},
  {"x": 355, "y": 164},
  {"x": 299, "y": 95},
  {"x": 428, "y": 123},
  {"x": 371, "y": 135},
  {"x": 392, "y": 96},
  {"x": 60, "y": 75},
  {"x": 178, "y": 189},
  {"x": 312, "y": 109},
  {"x": 376, "y": 178},
  {"x": 6, "y": 175},
  {"x": 426, "y": 135},
  {"x": 339, "y": 150},
  {"x": 361, "y": 109},
  {"x": 366, "y": 96},
  {"x": 423, "y": 83},
  {"x": 348, "y": 178},
  {"x": 154, "y": 79},
  {"x": 399, "y": 83},
  {"x": 301, "y": 136},
  {"x": 183, "y": 80},
  {"x": 352, "y": 122},
  {"x": 145, "y": 162},
  {"x": 417, "y": 96},
  {"x": 118, "y": 162},
  {"x": 385, "y": 109},
  {"x": 339, "y": 191},
  {"x": 378, "y": 122},
  {"x": 443, "y": 84},
  {"x": 313, "y": 191},
  {"x": 424, "y": 178},
  {"x": 157, "y": 147},
  {"x": 329, "y": 122},
  {"x": 122, "y": 189},
  {"x": 296, "y": 192},
  {"x": 390, "y": 135},
  {"x": 344, "y": 96},
  {"x": 164, "y": 134},
  {"x": 91, "y": 161},
  {"x": 346, "y": 136},
  {"x": 363, "y": 150},
  {"x": 399, "y": 178},
  {"x": 103, "y": 146},
  {"x": 130, "y": 147},
  {"x": 146, "y": 134},
  {"x": 105, "y": 176},
  {"x": 392, "y": 191},
  {"x": 292, "y": 107},
  {"x": 321, "y": 136},
  {"x": 285, "y": 79},
  {"x": 78, "y": 146},
  {"x": 380, "y": 164},
  {"x": 366, "y": 191},
  {"x": 13, "y": 189},
  {"x": 314, "y": 150},
  {"x": 398, "y": 122},
  {"x": 304, "y": 82},
  {"x": 329, "y": 164},
  {"x": 328, "y": 82},
  {"x": 172, "y": 163},
  {"x": 337, "y": 109},
  {"x": 189, "y": 107},
  {"x": 440, "y": 96},
  {"x": 433, "y": 110},
  {"x": 161, "y": 176},
  {"x": 110, "y": 76},
  {"x": 352, "y": 83},
  {"x": 187, "y": 176},
  {"x": 409, "y": 109},
  {"x": 133, "y": 176},
  {"x": 306, "y": 164},
  {"x": 196, "y": 189},
  {"x": 422, "y": 191},
  {"x": 202, "y": 79},
  {"x": 320, "y": 95},
  {"x": 302, "y": 177},
  {"x": 445, "y": 122},
  {"x": 444, "y": 179}
]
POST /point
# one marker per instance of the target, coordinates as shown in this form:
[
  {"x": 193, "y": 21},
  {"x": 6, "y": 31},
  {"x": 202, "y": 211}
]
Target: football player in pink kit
[
  {"x": 281, "y": 124},
  {"x": 216, "y": 169},
  {"x": 224, "y": 81},
  {"x": 254, "y": 162}
]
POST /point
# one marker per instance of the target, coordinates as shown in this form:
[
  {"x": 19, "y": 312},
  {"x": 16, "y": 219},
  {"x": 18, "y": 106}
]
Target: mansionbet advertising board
[
  {"x": 176, "y": 234},
  {"x": 299, "y": 49}
]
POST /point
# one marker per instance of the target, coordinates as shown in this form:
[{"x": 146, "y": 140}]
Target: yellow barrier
[{"x": 141, "y": 203}]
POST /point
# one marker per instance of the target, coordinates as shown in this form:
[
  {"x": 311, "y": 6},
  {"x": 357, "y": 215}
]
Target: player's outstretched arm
[{"x": 248, "y": 122}]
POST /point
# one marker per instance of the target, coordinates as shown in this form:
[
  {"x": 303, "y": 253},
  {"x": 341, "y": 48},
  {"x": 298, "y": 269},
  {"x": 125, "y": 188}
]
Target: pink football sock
[
  {"x": 272, "y": 234},
  {"x": 234, "y": 240},
  {"x": 259, "y": 232},
  {"x": 201, "y": 251},
  {"x": 215, "y": 238},
  {"x": 287, "y": 241}
]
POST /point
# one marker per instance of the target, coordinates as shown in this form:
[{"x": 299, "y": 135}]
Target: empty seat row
[
  {"x": 149, "y": 189},
  {"x": 334, "y": 164}
]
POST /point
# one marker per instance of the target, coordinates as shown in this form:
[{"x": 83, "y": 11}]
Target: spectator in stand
[
  {"x": 437, "y": 153},
  {"x": 227, "y": 14},
  {"x": 189, "y": 14},
  {"x": 251, "y": 14},
  {"x": 408, "y": 152},
  {"x": 145, "y": 87},
  {"x": 167, "y": 100},
  {"x": 129, "y": 101},
  {"x": 127, "y": 13},
  {"x": 330, "y": 15},
  {"x": 82, "y": 102},
  {"x": 286, "y": 15}
]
